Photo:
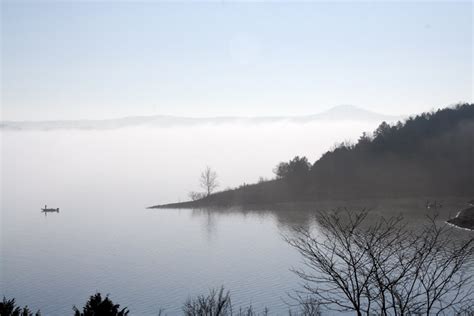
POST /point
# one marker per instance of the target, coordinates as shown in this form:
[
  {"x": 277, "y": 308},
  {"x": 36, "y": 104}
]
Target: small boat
[{"x": 46, "y": 209}]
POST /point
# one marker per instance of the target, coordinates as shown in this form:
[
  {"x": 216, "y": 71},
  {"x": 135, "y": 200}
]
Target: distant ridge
[
  {"x": 338, "y": 113},
  {"x": 350, "y": 112}
]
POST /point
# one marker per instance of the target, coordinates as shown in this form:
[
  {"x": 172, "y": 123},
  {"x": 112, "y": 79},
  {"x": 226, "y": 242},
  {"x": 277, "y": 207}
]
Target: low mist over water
[{"x": 143, "y": 166}]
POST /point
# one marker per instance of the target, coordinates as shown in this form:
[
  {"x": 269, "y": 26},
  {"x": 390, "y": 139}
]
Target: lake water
[
  {"x": 145, "y": 259},
  {"x": 104, "y": 239}
]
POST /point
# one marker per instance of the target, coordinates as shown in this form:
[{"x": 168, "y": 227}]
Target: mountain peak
[{"x": 351, "y": 112}]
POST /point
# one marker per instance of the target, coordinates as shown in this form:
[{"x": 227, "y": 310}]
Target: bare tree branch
[{"x": 383, "y": 267}]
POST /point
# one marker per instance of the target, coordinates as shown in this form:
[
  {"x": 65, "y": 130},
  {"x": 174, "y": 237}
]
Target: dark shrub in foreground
[
  {"x": 9, "y": 308},
  {"x": 96, "y": 306}
]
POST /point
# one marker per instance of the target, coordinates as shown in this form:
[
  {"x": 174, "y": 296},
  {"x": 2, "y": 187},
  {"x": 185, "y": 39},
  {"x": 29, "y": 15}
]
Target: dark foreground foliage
[
  {"x": 98, "y": 306},
  {"x": 215, "y": 303},
  {"x": 9, "y": 308}
]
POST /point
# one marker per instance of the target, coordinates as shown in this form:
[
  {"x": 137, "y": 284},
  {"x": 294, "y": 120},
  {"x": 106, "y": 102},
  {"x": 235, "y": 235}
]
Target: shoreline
[
  {"x": 459, "y": 227},
  {"x": 464, "y": 219},
  {"x": 210, "y": 203}
]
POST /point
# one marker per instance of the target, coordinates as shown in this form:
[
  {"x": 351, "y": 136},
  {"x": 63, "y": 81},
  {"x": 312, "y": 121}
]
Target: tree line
[{"x": 429, "y": 154}]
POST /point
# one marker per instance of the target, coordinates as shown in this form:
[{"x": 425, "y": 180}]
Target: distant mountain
[
  {"x": 338, "y": 113},
  {"x": 350, "y": 112}
]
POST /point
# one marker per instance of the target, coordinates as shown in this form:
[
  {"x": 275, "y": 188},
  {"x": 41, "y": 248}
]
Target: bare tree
[
  {"x": 217, "y": 303},
  {"x": 384, "y": 268},
  {"x": 208, "y": 180}
]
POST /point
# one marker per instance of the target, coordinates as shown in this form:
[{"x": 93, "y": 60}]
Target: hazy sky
[{"x": 70, "y": 60}]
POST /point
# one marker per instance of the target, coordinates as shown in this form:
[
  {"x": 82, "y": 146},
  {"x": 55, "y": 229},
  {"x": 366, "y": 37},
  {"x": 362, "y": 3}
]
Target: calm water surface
[
  {"x": 104, "y": 239},
  {"x": 145, "y": 259},
  {"x": 148, "y": 259}
]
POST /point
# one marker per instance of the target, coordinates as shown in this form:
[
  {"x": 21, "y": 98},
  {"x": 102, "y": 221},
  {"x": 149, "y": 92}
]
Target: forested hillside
[
  {"x": 432, "y": 153},
  {"x": 429, "y": 154}
]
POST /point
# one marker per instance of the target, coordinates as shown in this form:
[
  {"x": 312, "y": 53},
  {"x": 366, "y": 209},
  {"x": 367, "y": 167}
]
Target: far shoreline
[
  {"x": 464, "y": 219},
  {"x": 209, "y": 202}
]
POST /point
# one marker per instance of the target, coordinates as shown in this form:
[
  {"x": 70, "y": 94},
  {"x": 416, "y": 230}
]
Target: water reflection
[
  {"x": 208, "y": 218},
  {"x": 288, "y": 216},
  {"x": 49, "y": 210}
]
